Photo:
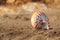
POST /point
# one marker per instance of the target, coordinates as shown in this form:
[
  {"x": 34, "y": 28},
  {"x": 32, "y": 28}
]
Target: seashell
[{"x": 39, "y": 20}]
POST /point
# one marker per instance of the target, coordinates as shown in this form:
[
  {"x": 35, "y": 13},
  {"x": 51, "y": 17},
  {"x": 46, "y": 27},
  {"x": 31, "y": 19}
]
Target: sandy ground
[{"x": 18, "y": 27}]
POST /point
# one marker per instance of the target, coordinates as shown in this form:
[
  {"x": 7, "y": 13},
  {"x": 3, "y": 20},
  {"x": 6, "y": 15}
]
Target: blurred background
[
  {"x": 15, "y": 23},
  {"x": 50, "y": 3}
]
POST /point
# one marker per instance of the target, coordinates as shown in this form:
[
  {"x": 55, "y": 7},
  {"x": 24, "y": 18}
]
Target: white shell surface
[{"x": 36, "y": 17}]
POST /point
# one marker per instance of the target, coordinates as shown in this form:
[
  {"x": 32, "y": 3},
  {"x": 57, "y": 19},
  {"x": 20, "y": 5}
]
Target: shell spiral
[{"x": 39, "y": 20}]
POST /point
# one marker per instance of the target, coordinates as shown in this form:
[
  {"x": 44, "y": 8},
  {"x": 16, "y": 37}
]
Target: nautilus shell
[{"x": 39, "y": 20}]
